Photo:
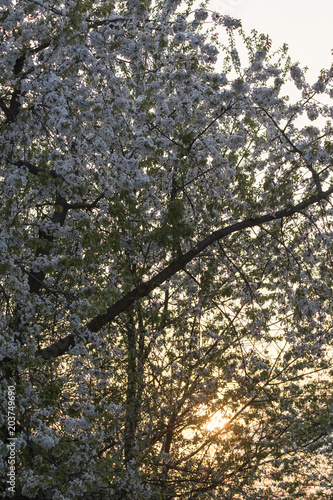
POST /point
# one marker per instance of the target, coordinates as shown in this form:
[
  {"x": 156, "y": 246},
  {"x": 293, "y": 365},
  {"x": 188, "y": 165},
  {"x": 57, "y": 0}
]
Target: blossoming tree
[{"x": 166, "y": 257}]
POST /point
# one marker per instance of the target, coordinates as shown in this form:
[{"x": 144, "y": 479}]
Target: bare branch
[{"x": 314, "y": 174}]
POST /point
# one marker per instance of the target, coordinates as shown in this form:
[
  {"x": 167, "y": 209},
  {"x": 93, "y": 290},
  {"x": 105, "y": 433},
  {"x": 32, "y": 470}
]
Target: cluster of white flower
[{"x": 134, "y": 177}]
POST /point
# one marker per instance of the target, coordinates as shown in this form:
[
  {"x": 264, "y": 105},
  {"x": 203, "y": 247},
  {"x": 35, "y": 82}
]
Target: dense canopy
[{"x": 166, "y": 257}]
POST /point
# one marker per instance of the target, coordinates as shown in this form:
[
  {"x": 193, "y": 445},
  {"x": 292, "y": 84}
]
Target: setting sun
[{"x": 216, "y": 422}]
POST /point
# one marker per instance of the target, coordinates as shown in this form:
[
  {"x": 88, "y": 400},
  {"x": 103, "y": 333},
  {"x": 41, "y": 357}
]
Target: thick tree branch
[
  {"x": 11, "y": 112},
  {"x": 59, "y": 216},
  {"x": 5, "y": 109},
  {"x": 87, "y": 206},
  {"x": 37, "y": 170},
  {"x": 142, "y": 290},
  {"x": 36, "y": 279}
]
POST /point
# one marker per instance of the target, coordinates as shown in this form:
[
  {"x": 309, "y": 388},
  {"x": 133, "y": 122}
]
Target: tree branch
[
  {"x": 37, "y": 170},
  {"x": 143, "y": 289},
  {"x": 314, "y": 174}
]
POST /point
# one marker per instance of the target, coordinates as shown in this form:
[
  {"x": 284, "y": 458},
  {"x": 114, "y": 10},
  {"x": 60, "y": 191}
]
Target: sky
[{"x": 305, "y": 25}]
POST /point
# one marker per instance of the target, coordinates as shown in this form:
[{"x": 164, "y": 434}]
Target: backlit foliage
[{"x": 165, "y": 256}]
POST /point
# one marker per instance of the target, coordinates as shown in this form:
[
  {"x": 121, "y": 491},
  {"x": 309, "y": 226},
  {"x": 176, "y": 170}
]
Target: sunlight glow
[{"x": 216, "y": 422}]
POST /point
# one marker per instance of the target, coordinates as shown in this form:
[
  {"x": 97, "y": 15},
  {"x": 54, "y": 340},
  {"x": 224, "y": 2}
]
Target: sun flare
[{"x": 216, "y": 423}]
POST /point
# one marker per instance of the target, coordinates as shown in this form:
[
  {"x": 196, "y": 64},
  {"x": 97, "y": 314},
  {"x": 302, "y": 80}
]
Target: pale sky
[{"x": 305, "y": 25}]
